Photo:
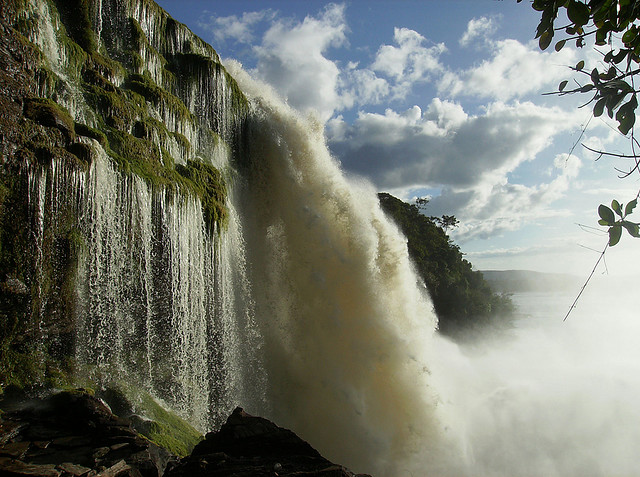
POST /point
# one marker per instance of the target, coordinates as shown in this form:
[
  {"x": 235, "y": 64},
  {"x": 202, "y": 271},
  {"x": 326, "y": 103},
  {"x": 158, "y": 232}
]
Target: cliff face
[{"x": 119, "y": 133}]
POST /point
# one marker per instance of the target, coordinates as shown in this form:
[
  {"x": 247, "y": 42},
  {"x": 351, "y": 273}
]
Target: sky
[{"x": 445, "y": 100}]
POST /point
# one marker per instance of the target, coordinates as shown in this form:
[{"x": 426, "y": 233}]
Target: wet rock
[
  {"x": 73, "y": 434},
  {"x": 252, "y": 446}
]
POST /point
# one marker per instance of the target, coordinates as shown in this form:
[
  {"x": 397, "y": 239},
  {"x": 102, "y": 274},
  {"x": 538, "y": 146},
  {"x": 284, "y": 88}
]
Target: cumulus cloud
[
  {"x": 478, "y": 31},
  {"x": 234, "y": 27},
  {"x": 514, "y": 70},
  {"x": 507, "y": 207},
  {"x": 445, "y": 146},
  {"x": 292, "y": 59},
  {"x": 363, "y": 86},
  {"x": 408, "y": 61},
  {"x": 468, "y": 157}
]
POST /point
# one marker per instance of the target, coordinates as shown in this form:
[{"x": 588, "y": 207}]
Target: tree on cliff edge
[{"x": 462, "y": 299}]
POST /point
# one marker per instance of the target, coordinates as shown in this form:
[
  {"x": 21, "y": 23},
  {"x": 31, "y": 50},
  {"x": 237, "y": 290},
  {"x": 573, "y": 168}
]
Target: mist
[{"x": 552, "y": 398}]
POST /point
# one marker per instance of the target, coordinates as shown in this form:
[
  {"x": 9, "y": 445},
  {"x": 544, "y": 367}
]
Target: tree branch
[{"x": 573, "y": 305}]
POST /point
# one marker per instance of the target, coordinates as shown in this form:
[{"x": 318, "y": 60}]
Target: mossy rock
[
  {"x": 208, "y": 184},
  {"x": 76, "y": 17},
  {"x": 87, "y": 131},
  {"x": 48, "y": 113},
  {"x": 151, "y": 92},
  {"x": 161, "y": 426},
  {"x": 117, "y": 110}
]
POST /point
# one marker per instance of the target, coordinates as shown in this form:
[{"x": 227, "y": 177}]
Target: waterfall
[
  {"x": 303, "y": 308},
  {"x": 348, "y": 326},
  {"x": 157, "y": 298}
]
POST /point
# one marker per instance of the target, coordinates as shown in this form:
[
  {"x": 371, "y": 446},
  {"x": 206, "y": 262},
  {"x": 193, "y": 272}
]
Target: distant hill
[{"x": 511, "y": 281}]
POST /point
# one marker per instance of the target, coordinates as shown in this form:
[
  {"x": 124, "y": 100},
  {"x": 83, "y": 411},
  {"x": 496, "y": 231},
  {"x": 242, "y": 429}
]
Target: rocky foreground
[{"x": 75, "y": 434}]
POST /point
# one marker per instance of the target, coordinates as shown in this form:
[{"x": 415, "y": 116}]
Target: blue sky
[{"x": 442, "y": 99}]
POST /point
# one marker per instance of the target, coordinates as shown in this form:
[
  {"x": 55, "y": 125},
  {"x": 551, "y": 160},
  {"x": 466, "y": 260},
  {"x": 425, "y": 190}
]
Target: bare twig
[{"x": 573, "y": 305}]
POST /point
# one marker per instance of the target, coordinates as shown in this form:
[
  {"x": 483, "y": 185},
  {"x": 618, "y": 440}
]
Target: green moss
[
  {"x": 47, "y": 80},
  {"x": 168, "y": 430},
  {"x": 104, "y": 65},
  {"x": 207, "y": 183},
  {"x": 182, "y": 141},
  {"x": 114, "y": 107},
  {"x": 25, "y": 23},
  {"x": 240, "y": 103},
  {"x": 144, "y": 85},
  {"x": 76, "y": 17},
  {"x": 75, "y": 55},
  {"x": 192, "y": 64},
  {"x": 48, "y": 113},
  {"x": 156, "y": 166},
  {"x": 87, "y": 131},
  {"x": 150, "y": 418},
  {"x": 138, "y": 156}
]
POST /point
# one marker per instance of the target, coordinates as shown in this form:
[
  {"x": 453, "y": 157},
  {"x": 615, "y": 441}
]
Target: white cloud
[
  {"x": 514, "y": 70},
  {"x": 362, "y": 86},
  {"x": 478, "y": 31},
  {"x": 507, "y": 207},
  {"x": 409, "y": 61},
  {"x": 445, "y": 146},
  {"x": 291, "y": 58},
  {"x": 234, "y": 27}
]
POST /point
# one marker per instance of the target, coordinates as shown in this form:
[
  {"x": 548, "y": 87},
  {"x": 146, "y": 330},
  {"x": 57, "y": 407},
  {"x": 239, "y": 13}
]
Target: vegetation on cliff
[
  {"x": 462, "y": 299},
  {"x": 129, "y": 93}
]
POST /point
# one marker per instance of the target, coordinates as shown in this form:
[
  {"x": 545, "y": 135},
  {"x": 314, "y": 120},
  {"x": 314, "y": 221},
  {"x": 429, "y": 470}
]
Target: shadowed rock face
[
  {"x": 76, "y": 434},
  {"x": 252, "y": 446},
  {"x": 73, "y": 434}
]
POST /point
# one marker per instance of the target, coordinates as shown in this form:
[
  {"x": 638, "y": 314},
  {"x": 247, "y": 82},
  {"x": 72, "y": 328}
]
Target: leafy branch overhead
[
  {"x": 613, "y": 27},
  {"x": 608, "y": 218},
  {"x": 611, "y": 24}
]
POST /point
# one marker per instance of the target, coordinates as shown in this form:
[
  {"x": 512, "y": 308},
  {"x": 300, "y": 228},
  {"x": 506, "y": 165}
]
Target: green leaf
[
  {"x": 560, "y": 45},
  {"x": 632, "y": 228},
  {"x": 620, "y": 56},
  {"x": 586, "y": 88},
  {"x": 595, "y": 76},
  {"x": 580, "y": 65},
  {"x": 562, "y": 85},
  {"x": 603, "y": 222},
  {"x": 626, "y": 124},
  {"x": 629, "y": 35},
  {"x": 601, "y": 36},
  {"x": 578, "y": 13},
  {"x": 545, "y": 39},
  {"x": 606, "y": 214},
  {"x": 615, "y": 233},
  {"x": 598, "y": 109},
  {"x": 615, "y": 205},
  {"x": 630, "y": 206}
]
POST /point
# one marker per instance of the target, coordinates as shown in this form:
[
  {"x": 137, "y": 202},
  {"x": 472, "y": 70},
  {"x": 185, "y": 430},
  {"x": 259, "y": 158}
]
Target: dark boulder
[{"x": 252, "y": 446}]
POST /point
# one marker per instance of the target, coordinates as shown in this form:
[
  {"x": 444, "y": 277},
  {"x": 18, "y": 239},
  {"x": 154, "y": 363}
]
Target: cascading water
[
  {"x": 156, "y": 295},
  {"x": 347, "y": 324}
]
